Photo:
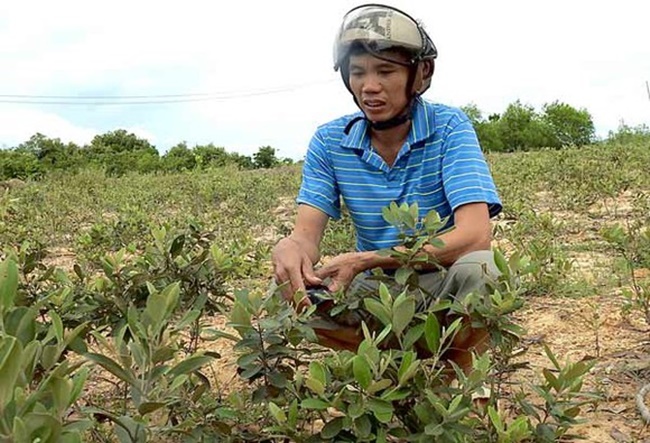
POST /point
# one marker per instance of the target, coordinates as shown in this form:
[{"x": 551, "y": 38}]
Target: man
[{"x": 399, "y": 148}]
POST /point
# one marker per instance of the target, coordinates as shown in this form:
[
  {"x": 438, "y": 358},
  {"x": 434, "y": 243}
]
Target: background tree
[
  {"x": 265, "y": 157},
  {"x": 486, "y": 130},
  {"x": 520, "y": 128},
  {"x": 16, "y": 164},
  {"x": 52, "y": 153},
  {"x": 569, "y": 126},
  {"x": 211, "y": 156},
  {"x": 179, "y": 158}
]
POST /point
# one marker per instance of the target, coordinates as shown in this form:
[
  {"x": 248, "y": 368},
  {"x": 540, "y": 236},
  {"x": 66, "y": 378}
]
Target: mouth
[{"x": 373, "y": 104}]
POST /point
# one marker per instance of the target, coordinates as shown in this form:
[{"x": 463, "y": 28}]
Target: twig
[{"x": 640, "y": 403}]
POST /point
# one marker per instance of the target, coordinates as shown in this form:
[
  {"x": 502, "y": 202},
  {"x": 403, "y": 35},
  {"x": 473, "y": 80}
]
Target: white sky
[{"x": 589, "y": 54}]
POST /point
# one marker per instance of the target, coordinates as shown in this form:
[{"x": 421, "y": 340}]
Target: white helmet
[{"x": 377, "y": 28}]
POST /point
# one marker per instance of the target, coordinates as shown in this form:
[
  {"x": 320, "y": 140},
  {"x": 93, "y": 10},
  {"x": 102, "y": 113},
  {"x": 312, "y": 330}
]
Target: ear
[
  {"x": 427, "y": 68},
  {"x": 423, "y": 73}
]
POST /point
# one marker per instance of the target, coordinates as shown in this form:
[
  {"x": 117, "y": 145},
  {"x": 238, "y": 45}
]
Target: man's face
[{"x": 379, "y": 86}]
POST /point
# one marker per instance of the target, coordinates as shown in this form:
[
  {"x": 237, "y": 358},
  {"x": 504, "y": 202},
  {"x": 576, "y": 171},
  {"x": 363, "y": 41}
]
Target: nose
[{"x": 371, "y": 84}]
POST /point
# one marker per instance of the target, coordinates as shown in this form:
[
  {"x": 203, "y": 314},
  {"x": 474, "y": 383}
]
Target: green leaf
[
  {"x": 77, "y": 270},
  {"x": 130, "y": 431},
  {"x": 379, "y": 385},
  {"x": 8, "y": 284},
  {"x": 314, "y": 403},
  {"x": 251, "y": 371},
  {"x": 189, "y": 317},
  {"x": 361, "y": 370},
  {"x": 501, "y": 262},
  {"x": 403, "y": 312},
  {"x": 317, "y": 371},
  {"x": 190, "y": 364},
  {"x": 402, "y": 275},
  {"x": 57, "y": 325},
  {"x": 149, "y": 407},
  {"x": 178, "y": 382},
  {"x": 277, "y": 379},
  {"x": 10, "y": 366},
  {"x": 382, "y": 410},
  {"x": 363, "y": 426},
  {"x": 432, "y": 221},
  {"x": 495, "y": 418},
  {"x": 396, "y": 394},
  {"x": 177, "y": 246},
  {"x": 277, "y": 413},
  {"x": 551, "y": 379},
  {"x": 551, "y": 357},
  {"x": 240, "y": 317},
  {"x": 49, "y": 356},
  {"x": 293, "y": 414},
  {"x": 384, "y": 296},
  {"x": 215, "y": 334},
  {"x": 171, "y": 295},
  {"x": 412, "y": 336},
  {"x": 388, "y": 215},
  {"x": 434, "y": 430},
  {"x": 42, "y": 426},
  {"x": 356, "y": 408},
  {"x": 19, "y": 430},
  {"x": 315, "y": 386},
  {"x": 432, "y": 333},
  {"x": 155, "y": 311},
  {"x": 545, "y": 433},
  {"x": 21, "y": 323},
  {"x": 112, "y": 367},
  {"x": 332, "y": 428},
  {"x": 79, "y": 381},
  {"x": 408, "y": 367},
  {"x": 378, "y": 310}
]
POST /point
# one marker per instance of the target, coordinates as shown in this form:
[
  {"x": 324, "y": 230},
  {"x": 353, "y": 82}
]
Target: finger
[
  {"x": 324, "y": 272},
  {"x": 334, "y": 285},
  {"x": 297, "y": 283},
  {"x": 309, "y": 275}
]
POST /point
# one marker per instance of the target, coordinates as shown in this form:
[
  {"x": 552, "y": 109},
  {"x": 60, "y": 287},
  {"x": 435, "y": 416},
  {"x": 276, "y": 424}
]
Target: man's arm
[{"x": 309, "y": 229}]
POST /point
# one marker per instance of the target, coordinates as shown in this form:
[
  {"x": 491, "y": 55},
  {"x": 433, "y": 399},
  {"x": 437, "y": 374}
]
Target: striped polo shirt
[{"x": 440, "y": 166}]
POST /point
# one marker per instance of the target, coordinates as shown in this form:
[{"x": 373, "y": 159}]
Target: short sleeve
[
  {"x": 465, "y": 172},
  {"x": 318, "y": 187}
]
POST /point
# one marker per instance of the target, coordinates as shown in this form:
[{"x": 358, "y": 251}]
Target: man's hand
[
  {"x": 341, "y": 270},
  {"x": 291, "y": 264}
]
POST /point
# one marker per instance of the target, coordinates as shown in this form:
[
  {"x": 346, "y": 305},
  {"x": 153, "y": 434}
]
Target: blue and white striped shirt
[{"x": 441, "y": 166}]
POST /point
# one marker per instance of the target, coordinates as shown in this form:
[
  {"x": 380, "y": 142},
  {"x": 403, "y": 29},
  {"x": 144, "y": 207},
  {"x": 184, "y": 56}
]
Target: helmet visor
[{"x": 378, "y": 29}]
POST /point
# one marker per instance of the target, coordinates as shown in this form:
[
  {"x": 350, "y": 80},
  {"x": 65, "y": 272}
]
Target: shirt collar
[{"x": 422, "y": 124}]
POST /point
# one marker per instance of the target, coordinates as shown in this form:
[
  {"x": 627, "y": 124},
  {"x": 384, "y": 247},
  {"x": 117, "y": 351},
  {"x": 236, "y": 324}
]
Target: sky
[{"x": 265, "y": 67}]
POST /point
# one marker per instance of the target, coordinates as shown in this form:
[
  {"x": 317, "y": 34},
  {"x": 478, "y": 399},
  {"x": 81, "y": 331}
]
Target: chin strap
[{"x": 399, "y": 119}]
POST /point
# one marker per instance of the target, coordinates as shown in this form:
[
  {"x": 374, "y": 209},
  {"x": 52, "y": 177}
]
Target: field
[{"x": 127, "y": 276}]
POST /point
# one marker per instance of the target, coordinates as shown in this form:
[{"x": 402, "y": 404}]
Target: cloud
[{"x": 18, "y": 125}]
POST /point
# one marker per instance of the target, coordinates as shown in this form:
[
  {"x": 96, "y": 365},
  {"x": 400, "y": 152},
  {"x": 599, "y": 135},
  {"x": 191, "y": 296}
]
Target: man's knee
[{"x": 475, "y": 269}]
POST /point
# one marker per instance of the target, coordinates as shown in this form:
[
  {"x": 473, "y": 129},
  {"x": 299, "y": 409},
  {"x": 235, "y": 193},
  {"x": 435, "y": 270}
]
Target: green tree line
[
  {"x": 118, "y": 152},
  {"x": 519, "y": 128}
]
